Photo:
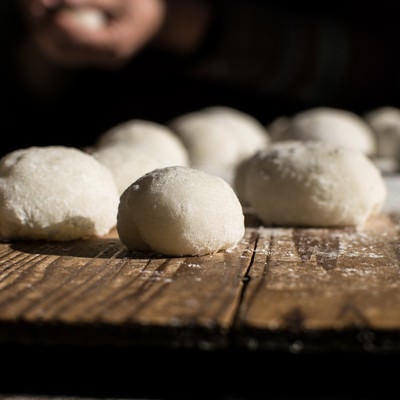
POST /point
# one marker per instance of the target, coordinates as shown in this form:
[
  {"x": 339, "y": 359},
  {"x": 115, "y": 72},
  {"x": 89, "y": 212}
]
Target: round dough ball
[
  {"x": 330, "y": 125},
  {"x": 125, "y": 163},
  {"x": 55, "y": 193},
  {"x": 156, "y": 140},
  {"x": 218, "y": 138},
  {"x": 313, "y": 184},
  {"x": 180, "y": 211},
  {"x": 385, "y": 122}
]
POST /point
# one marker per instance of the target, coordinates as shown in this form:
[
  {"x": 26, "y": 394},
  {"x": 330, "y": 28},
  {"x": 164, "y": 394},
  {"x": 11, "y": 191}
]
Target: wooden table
[
  {"x": 280, "y": 288},
  {"x": 280, "y": 292}
]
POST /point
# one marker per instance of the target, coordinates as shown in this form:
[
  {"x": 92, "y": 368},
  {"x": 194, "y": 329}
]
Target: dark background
[{"x": 156, "y": 84}]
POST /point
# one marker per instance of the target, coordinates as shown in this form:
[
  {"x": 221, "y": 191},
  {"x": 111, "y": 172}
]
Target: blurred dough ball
[
  {"x": 330, "y": 125},
  {"x": 218, "y": 138},
  {"x": 277, "y": 126},
  {"x": 313, "y": 184},
  {"x": 385, "y": 122},
  {"x": 239, "y": 180},
  {"x": 125, "y": 163},
  {"x": 87, "y": 17},
  {"x": 55, "y": 193},
  {"x": 153, "y": 139},
  {"x": 180, "y": 211},
  {"x": 90, "y": 18}
]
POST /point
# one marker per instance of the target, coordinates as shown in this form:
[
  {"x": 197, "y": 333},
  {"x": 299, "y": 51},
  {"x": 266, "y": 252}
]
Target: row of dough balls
[
  {"x": 217, "y": 139},
  {"x": 58, "y": 193},
  {"x": 214, "y": 140},
  {"x": 61, "y": 193},
  {"x": 138, "y": 175}
]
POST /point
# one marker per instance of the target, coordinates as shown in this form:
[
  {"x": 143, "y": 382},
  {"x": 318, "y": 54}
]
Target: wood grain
[
  {"x": 279, "y": 288},
  {"x": 320, "y": 280}
]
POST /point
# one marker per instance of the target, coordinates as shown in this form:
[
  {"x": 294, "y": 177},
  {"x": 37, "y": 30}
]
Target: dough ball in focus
[
  {"x": 180, "y": 211},
  {"x": 313, "y": 184},
  {"x": 218, "y": 138},
  {"x": 329, "y": 125},
  {"x": 55, "y": 193},
  {"x": 153, "y": 139}
]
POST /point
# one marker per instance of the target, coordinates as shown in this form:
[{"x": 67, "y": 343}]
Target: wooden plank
[
  {"x": 310, "y": 281},
  {"x": 278, "y": 287},
  {"x": 97, "y": 286}
]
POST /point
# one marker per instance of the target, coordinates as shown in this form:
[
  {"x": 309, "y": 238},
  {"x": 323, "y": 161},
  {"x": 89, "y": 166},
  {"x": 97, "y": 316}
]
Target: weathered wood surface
[
  {"x": 96, "y": 286},
  {"x": 280, "y": 287},
  {"x": 328, "y": 281}
]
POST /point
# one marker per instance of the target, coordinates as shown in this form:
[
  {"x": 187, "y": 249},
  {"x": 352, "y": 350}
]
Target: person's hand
[{"x": 108, "y": 38}]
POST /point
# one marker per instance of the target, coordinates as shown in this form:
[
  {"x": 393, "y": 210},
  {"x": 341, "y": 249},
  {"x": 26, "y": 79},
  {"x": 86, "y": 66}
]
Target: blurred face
[{"x": 103, "y": 33}]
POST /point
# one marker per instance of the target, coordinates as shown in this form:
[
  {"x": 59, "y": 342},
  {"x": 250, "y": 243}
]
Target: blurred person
[{"x": 154, "y": 59}]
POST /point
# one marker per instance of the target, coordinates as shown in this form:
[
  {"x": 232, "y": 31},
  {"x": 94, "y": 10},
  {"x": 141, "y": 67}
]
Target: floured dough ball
[
  {"x": 313, "y": 184},
  {"x": 385, "y": 122},
  {"x": 125, "y": 163},
  {"x": 154, "y": 139},
  {"x": 180, "y": 211},
  {"x": 330, "y": 125},
  {"x": 55, "y": 193},
  {"x": 86, "y": 17},
  {"x": 219, "y": 138}
]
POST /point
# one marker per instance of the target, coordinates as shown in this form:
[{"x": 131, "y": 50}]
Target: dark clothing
[{"x": 265, "y": 58}]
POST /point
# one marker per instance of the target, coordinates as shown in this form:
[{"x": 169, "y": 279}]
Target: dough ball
[
  {"x": 313, "y": 184},
  {"x": 55, "y": 193},
  {"x": 156, "y": 140},
  {"x": 385, "y": 122},
  {"x": 125, "y": 163},
  {"x": 180, "y": 211},
  {"x": 334, "y": 126},
  {"x": 87, "y": 17},
  {"x": 219, "y": 138}
]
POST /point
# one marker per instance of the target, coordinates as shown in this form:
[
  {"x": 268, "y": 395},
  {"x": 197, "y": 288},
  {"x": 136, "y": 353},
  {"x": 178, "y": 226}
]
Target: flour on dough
[
  {"x": 298, "y": 183},
  {"x": 180, "y": 211},
  {"x": 55, "y": 193}
]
